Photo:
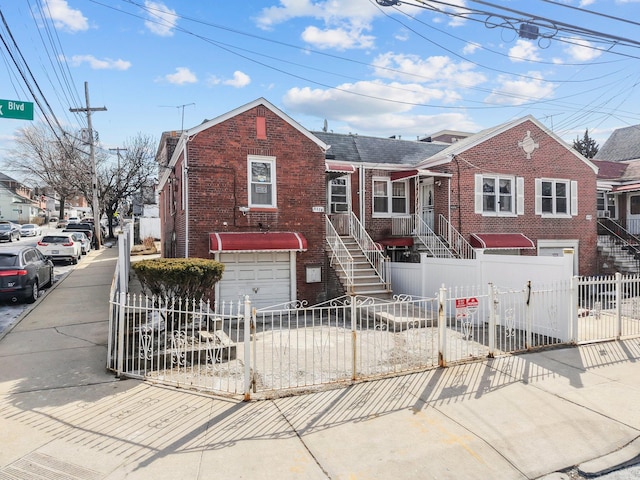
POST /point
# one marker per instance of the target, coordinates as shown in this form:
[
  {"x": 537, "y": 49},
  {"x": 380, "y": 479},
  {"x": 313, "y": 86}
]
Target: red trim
[
  {"x": 339, "y": 167},
  {"x": 400, "y": 175},
  {"x": 396, "y": 242},
  {"x": 256, "y": 241},
  {"x": 503, "y": 241},
  {"x": 627, "y": 188}
]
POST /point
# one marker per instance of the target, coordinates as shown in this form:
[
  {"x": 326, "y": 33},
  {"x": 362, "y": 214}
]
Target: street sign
[{"x": 16, "y": 109}]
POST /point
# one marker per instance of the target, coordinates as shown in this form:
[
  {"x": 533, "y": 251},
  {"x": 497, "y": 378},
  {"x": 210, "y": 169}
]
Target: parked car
[
  {"x": 30, "y": 230},
  {"x": 86, "y": 228},
  {"x": 62, "y": 223},
  {"x": 60, "y": 246},
  {"x": 85, "y": 243},
  {"x": 23, "y": 272},
  {"x": 9, "y": 231},
  {"x": 74, "y": 220}
]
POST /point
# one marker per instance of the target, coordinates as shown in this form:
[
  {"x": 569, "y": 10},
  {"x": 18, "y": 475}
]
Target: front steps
[{"x": 365, "y": 279}]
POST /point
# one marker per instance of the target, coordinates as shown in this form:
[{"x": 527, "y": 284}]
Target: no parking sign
[{"x": 466, "y": 306}]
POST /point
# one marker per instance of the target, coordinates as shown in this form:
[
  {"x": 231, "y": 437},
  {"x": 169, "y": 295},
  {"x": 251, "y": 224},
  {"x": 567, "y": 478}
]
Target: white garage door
[
  {"x": 555, "y": 248},
  {"x": 264, "y": 276}
]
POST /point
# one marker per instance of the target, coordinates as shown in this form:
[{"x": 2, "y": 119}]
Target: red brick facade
[{"x": 217, "y": 183}]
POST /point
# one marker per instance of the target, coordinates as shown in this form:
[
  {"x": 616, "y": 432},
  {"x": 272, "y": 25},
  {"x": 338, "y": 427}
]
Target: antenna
[{"x": 182, "y": 107}]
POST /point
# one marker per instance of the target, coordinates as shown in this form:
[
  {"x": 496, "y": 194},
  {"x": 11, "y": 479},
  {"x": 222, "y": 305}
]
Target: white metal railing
[
  {"x": 413, "y": 225},
  {"x": 371, "y": 250},
  {"x": 230, "y": 348},
  {"x": 454, "y": 239},
  {"x": 339, "y": 254}
]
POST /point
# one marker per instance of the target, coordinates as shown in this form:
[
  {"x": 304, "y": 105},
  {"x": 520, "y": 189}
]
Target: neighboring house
[
  {"x": 289, "y": 211},
  {"x": 17, "y": 203},
  {"x": 515, "y": 188}
]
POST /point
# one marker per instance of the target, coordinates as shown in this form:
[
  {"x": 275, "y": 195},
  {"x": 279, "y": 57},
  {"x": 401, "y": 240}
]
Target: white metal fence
[{"x": 231, "y": 348}]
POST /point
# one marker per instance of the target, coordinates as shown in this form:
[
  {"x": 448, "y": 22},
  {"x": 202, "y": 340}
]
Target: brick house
[
  {"x": 243, "y": 188},
  {"x": 300, "y": 215},
  {"x": 515, "y": 188}
]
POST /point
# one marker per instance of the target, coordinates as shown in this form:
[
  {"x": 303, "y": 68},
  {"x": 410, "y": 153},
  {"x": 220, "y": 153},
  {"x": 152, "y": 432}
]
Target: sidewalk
[{"x": 63, "y": 415}]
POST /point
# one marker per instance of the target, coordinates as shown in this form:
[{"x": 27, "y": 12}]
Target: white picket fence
[{"x": 232, "y": 348}]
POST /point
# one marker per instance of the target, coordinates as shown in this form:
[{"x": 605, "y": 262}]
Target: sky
[{"x": 368, "y": 67}]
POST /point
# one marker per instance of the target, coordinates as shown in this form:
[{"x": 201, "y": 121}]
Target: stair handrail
[
  {"x": 339, "y": 253},
  {"x": 371, "y": 249},
  {"x": 424, "y": 232},
  {"x": 632, "y": 247},
  {"x": 454, "y": 239}
]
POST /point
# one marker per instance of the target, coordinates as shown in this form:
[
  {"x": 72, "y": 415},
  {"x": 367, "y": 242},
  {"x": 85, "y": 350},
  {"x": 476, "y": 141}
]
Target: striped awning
[
  {"x": 256, "y": 241},
  {"x": 339, "y": 167},
  {"x": 501, "y": 241}
]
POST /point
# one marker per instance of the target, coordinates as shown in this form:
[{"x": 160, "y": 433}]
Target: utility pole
[
  {"x": 118, "y": 150},
  {"x": 94, "y": 174}
]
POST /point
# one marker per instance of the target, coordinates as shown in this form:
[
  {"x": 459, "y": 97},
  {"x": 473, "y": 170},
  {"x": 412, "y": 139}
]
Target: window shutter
[
  {"x": 520, "y": 195},
  {"x": 574, "y": 198},
  {"x": 478, "y": 191},
  {"x": 538, "y": 196}
]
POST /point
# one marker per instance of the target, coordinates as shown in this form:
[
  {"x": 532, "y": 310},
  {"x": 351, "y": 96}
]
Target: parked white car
[
  {"x": 30, "y": 230},
  {"x": 60, "y": 246},
  {"x": 85, "y": 243}
]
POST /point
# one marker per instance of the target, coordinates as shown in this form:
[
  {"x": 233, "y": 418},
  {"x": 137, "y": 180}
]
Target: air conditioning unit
[{"x": 604, "y": 213}]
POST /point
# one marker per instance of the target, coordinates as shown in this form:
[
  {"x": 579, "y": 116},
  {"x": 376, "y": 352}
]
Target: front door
[{"x": 426, "y": 202}]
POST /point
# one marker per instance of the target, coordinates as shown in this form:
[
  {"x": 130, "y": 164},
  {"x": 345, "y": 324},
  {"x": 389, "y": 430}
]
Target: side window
[
  {"x": 556, "y": 197},
  {"x": 262, "y": 181}
]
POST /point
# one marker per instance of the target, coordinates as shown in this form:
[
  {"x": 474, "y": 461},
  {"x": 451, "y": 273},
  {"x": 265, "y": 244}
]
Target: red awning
[
  {"x": 338, "y": 167},
  {"x": 413, "y": 173},
  {"x": 627, "y": 188},
  {"x": 494, "y": 241},
  {"x": 256, "y": 241},
  {"x": 396, "y": 242}
]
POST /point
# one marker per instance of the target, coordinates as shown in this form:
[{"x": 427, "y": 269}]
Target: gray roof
[
  {"x": 362, "y": 149},
  {"x": 623, "y": 144}
]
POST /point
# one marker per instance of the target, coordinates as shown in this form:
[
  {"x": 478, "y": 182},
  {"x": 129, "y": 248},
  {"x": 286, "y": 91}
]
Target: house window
[
  {"x": 262, "y": 181},
  {"x": 496, "y": 195},
  {"x": 389, "y": 198},
  {"x": 338, "y": 191},
  {"x": 634, "y": 204},
  {"x": 556, "y": 198}
]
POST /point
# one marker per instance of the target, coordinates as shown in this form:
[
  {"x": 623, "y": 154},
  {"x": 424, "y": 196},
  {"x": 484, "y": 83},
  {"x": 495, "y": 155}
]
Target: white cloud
[
  {"x": 338, "y": 38},
  {"x": 162, "y": 19},
  {"x": 182, "y": 76},
  {"x": 439, "y": 70},
  {"x": 524, "y": 50},
  {"x": 100, "y": 64},
  {"x": 585, "y": 3},
  {"x": 239, "y": 80},
  {"x": 331, "y": 12},
  {"x": 520, "y": 91},
  {"x": 375, "y": 116},
  {"x": 65, "y": 17},
  {"x": 470, "y": 48},
  {"x": 581, "y": 50}
]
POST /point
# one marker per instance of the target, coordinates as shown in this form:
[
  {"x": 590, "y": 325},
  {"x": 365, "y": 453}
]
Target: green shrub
[{"x": 185, "y": 278}]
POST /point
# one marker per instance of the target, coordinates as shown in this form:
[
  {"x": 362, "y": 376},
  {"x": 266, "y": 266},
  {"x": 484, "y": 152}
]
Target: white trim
[
  {"x": 273, "y": 182},
  {"x": 562, "y": 243}
]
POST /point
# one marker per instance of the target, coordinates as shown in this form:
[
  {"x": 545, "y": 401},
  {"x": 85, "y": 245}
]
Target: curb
[{"x": 624, "y": 457}]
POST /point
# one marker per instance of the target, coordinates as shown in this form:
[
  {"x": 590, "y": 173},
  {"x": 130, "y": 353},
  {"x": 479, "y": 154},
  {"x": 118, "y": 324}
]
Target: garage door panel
[{"x": 263, "y": 276}]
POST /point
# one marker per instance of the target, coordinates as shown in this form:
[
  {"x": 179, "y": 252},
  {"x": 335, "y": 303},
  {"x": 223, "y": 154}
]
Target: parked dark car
[
  {"x": 23, "y": 272},
  {"x": 9, "y": 232}
]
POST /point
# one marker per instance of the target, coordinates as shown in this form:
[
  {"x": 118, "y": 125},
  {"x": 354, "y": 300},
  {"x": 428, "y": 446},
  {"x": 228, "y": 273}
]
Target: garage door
[
  {"x": 555, "y": 248},
  {"x": 264, "y": 276}
]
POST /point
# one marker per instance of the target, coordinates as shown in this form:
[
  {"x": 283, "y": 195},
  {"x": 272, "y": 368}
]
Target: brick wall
[{"x": 218, "y": 186}]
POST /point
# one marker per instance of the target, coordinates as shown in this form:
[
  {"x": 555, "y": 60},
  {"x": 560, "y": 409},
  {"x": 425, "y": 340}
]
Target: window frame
[
  {"x": 571, "y": 188},
  {"x": 389, "y": 197},
  {"x": 516, "y": 195},
  {"x": 271, "y": 161}
]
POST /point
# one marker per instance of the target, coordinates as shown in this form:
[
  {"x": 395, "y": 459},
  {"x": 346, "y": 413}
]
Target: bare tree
[
  {"x": 46, "y": 158},
  {"x": 124, "y": 178}
]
